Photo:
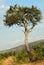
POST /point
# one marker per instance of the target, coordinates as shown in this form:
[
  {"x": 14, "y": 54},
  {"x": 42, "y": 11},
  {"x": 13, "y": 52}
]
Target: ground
[
  {"x": 10, "y": 61},
  {"x": 39, "y": 62}
]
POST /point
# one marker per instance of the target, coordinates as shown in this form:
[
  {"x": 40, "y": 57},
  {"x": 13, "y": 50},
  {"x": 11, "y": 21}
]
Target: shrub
[{"x": 38, "y": 51}]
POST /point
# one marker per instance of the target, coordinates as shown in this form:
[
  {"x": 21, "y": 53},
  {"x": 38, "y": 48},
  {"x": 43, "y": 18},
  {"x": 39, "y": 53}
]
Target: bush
[
  {"x": 22, "y": 57},
  {"x": 7, "y": 54},
  {"x": 38, "y": 51},
  {"x": 13, "y": 53}
]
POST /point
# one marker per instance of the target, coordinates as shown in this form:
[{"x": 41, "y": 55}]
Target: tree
[{"x": 24, "y": 17}]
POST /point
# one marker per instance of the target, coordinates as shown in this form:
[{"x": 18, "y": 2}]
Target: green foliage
[
  {"x": 13, "y": 53},
  {"x": 22, "y": 57},
  {"x": 18, "y": 14},
  {"x": 1, "y": 56},
  {"x": 37, "y": 51},
  {"x": 7, "y": 54}
]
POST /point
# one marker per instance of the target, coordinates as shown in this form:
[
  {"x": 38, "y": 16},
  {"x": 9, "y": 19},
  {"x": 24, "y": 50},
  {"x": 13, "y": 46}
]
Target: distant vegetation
[
  {"x": 22, "y": 56},
  {"x": 7, "y": 54}
]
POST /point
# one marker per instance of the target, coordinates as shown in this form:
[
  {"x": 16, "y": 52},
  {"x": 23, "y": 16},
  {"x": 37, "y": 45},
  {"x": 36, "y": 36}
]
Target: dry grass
[
  {"x": 10, "y": 61},
  {"x": 7, "y": 61},
  {"x": 40, "y": 62}
]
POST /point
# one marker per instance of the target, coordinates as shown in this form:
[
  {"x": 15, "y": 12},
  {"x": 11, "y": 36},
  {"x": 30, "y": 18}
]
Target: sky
[{"x": 14, "y": 36}]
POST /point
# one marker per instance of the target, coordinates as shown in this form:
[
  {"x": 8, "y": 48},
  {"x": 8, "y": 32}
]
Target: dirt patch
[{"x": 39, "y": 62}]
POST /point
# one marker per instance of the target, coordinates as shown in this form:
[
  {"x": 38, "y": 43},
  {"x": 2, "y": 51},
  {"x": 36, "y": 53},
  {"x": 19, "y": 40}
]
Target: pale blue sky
[{"x": 13, "y": 36}]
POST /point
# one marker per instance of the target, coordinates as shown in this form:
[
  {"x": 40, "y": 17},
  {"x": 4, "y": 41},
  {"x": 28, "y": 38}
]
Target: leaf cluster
[{"x": 19, "y": 14}]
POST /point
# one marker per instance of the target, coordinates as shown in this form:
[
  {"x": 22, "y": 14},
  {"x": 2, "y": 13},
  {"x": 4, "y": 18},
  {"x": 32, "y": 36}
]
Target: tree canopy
[{"x": 20, "y": 15}]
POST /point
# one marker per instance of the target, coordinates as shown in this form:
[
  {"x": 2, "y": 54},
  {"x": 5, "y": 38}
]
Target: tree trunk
[{"x": 26, "y": 44}]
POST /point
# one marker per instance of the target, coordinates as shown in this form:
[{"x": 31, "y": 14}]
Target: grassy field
[
  {"x": 10, "y": 61},
  {"x": 21, "y": 57}
]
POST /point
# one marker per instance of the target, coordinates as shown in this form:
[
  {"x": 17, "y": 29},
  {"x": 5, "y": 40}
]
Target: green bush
[
  {"x": 38, "y": 51},
  {"x": 7, "y": 54},
  {"x": 13, "y": 53},
  {"x": 22, "y": 57}
]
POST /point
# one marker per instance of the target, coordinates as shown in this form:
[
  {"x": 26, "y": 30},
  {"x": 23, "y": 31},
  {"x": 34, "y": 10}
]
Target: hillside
[
  {"x": 10, "y": 57},
  {"x": 22, "y": 47}
]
